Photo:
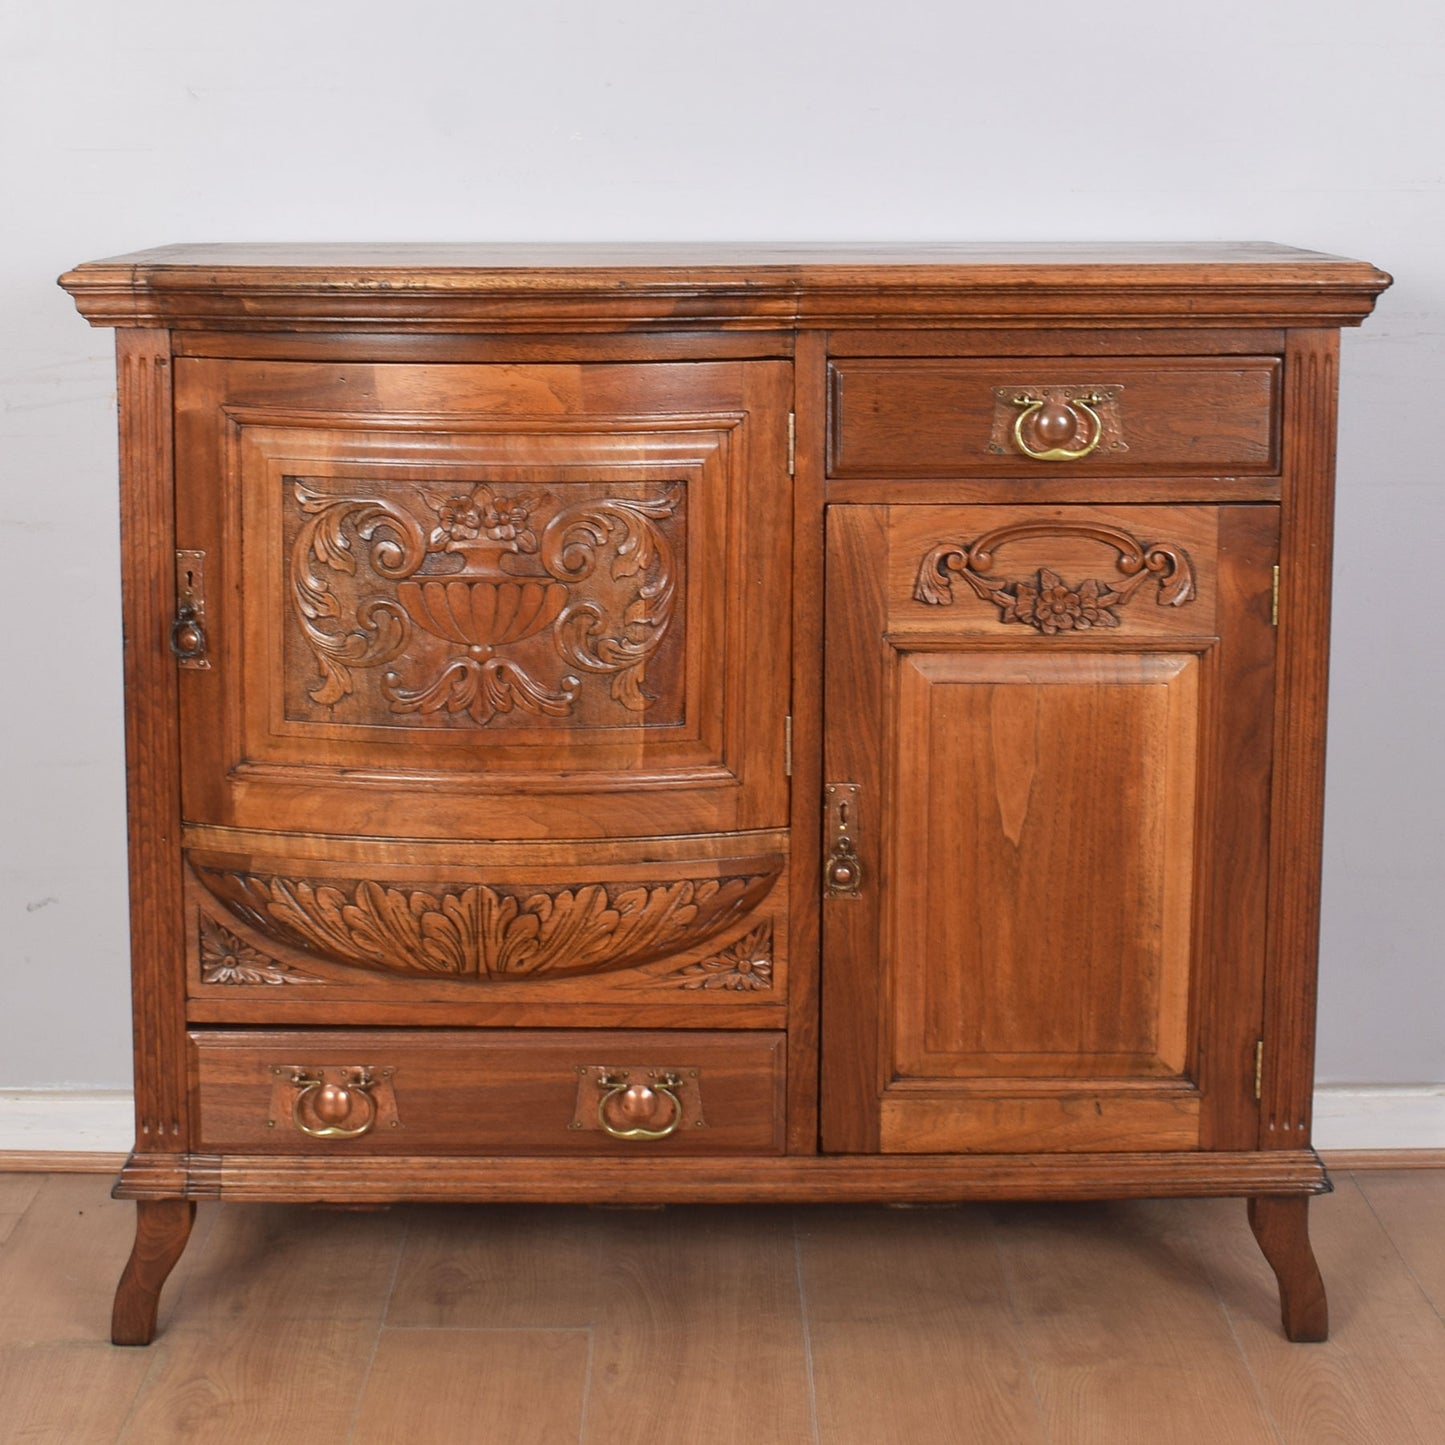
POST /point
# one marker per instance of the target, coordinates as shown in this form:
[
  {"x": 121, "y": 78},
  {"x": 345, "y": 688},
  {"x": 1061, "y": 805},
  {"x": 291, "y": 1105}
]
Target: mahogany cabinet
[{"x": 692, "y": 724}]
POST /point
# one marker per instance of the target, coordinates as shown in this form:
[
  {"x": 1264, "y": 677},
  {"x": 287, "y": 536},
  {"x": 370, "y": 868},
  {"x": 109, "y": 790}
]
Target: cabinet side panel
[
  {"x": 152, "y": 758},
  {"x": 1297, "y": 814}
]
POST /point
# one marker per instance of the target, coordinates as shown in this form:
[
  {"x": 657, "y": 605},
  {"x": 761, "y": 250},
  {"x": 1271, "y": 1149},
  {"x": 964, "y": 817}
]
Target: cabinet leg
[
  {"x": 162, "y": 1227},
  {"x": 1281, "y": 1225}
]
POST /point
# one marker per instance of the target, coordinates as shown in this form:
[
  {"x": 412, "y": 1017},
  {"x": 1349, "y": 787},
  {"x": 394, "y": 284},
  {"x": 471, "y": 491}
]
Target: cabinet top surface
[{"x": 464, "y": 286}]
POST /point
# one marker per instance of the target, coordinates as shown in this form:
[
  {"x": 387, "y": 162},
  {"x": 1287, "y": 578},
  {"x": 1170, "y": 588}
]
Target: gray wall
[{"x": 1315, "y": 122}]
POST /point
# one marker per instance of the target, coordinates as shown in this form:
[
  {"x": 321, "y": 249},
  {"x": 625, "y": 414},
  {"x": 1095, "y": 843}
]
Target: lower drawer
[{"x": 441, "y": 1092}]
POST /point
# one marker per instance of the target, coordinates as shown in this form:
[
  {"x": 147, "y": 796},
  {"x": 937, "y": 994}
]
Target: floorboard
[{"x": 1141, "y": 1321}]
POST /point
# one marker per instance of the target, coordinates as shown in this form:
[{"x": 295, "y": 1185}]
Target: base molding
[{"x": 798, "y": 1179}]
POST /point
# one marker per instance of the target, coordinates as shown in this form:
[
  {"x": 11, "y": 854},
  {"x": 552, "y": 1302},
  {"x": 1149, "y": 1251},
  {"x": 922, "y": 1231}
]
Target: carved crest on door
[
  {"x": 484, "y": 600},
  {"x": 1046, "y": 601}
]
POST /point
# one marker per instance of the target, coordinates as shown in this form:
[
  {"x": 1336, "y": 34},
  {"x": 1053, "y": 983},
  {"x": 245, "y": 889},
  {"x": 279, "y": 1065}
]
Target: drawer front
[
  {"x": 1047, "y": 416},
  {"x": 459, "y": 1092}
]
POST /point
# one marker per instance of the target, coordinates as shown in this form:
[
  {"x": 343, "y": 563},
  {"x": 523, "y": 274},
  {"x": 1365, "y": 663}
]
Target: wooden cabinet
[{"x": 684, "y": 724}]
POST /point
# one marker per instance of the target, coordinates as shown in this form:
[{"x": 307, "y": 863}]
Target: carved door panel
[
  {"x": 491, "y": 711},
  {"x": 1049, "y": 755},
  {"x": 483, "y": 602}
]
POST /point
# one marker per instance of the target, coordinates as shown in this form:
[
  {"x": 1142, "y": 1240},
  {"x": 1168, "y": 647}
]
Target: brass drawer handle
[
  {"x": 1057, "y": 421},
  {"x": 332, "y": 1106},
  {"x": 638, "y": 1104}
]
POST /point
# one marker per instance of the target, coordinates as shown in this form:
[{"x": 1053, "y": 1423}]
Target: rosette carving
[
  {"x": 228, "y": 959},
  {"x": 744, "y": 966},
  {"x": 479, "y": 931},
  {"x": 483, "y": 572},
  {"x": 1046, "y": 602}
]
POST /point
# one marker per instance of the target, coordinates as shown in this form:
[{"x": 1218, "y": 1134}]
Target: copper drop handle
[
  {"x": 343, "y": 1110},
  {"x": 1057, "y": 422},
  {"x": 188, "y": 636},
  {"x": 649, "y": 1110}
]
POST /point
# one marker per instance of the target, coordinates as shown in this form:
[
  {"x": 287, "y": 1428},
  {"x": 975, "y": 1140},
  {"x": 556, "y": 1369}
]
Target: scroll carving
[
  {"x": 481, "y": 572},
  {"x": 477, "y": 932},
  {"x": 1046, "y": 602},
  {"x": 226, "y": 959}
]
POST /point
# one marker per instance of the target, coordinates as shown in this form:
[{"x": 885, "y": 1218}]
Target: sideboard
[{"x": 671, "y": 724}]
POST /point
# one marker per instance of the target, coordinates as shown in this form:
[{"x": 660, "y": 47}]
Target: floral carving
[
  {"x": 489, "y": 569},
  {"x": 1046, "y": 602},
  {"x": 227, "y": 959},
  {"x": 744, "y": 965},
  {"x": 478, "y": 932}
]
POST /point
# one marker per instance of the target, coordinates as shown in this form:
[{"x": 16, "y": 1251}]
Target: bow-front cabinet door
[
  {"x": 483, "y": 691},
  {"x": 1047, "y": 782}
]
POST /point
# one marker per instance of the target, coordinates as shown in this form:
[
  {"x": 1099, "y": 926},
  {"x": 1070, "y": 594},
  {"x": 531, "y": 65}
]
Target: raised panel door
[{"x": 1052, "y": 720}]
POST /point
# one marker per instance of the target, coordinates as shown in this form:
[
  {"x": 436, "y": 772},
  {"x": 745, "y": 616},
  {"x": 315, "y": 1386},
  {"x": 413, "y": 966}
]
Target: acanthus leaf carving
[
  {"x": 1046, "y": 602},
  {"x": 479, "y": 932}
]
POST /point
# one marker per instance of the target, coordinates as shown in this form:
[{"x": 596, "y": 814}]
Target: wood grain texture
[
  {"x": 152, "y": 746},
  {"x": 544, "y": 288},
  {"x": 1301, "y": 689},
  {"x": 462, "y": 1385},
  {"x": 505, "y": 1092},
  {"x": 162, "y": 1228},
  {"x": 502, "y": 1267},
  {"x": 1281, "y": 1228},
  {"x": 911, "y": 1330},
  {"x": 1070, "y": 746},
  {"x": 64, "y": 1254},
  {"x": 676, "y": 1283},
  {"x": 226, "y": 1387},
  {"x": 637, "y": 1179},
  {"x": 905, "y": 418},
  {"x": 289, "y": 1265},
  {"x": 16, "y": 1194},
  {"x": 517, "y": 566},
  {"x": 1152, "y": 1331},
  {"x": 72, "y": 1392},
  {"x": 855, "y": 997},
  {"x": 806, "y": 713},
  {"x": 1036, "y": 1325},
  {"x": 1380, "y": 1378},
  {"x": 502, "y": 602},
  {"x": 1407, "y": 1205}
]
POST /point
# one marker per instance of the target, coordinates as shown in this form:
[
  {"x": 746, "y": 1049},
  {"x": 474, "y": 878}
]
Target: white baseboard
[
  {"x": 67, "y": 1121},
  {"x": 1365, "y": 1117},
  {"x": 1353, "y": 1117}
]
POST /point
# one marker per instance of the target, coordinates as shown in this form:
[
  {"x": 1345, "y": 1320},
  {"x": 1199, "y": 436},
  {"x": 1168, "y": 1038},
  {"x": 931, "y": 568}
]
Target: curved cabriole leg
[
  {"x": 162, "y": 1227},
  {"x": 1281, "y": 1225}
]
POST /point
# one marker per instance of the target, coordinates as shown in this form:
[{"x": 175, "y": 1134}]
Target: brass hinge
[
  {"x": 788, "y": 746},
  {"x": 1274, "y": 599},
  {"x": 1259, "y": 1068},
  {"x": 792, "y": 440}
]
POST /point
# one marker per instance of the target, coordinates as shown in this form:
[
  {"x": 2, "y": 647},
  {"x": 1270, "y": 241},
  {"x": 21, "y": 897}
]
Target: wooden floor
[{"x": 1148, "y": 1322}]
